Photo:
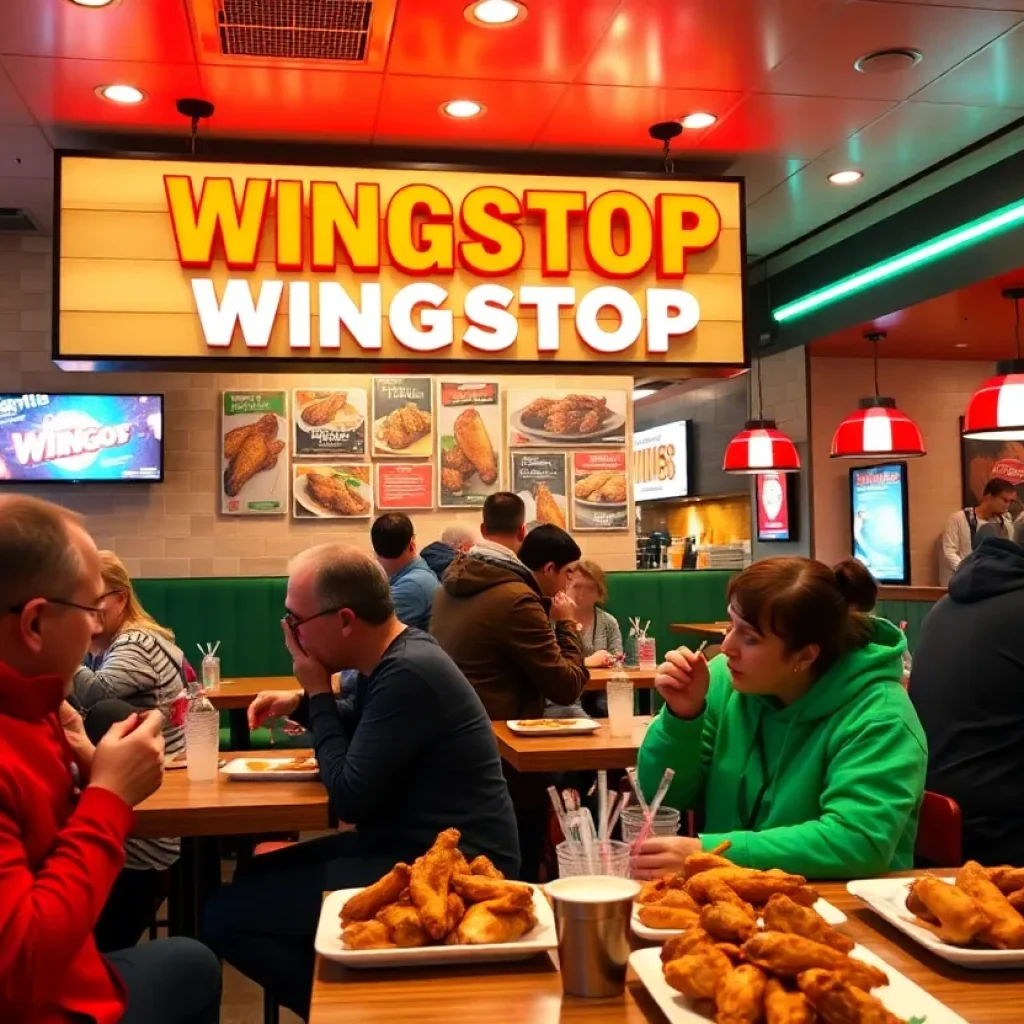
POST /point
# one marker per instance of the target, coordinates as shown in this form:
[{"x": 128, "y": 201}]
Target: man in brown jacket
[{"x": 494, "y": 621}]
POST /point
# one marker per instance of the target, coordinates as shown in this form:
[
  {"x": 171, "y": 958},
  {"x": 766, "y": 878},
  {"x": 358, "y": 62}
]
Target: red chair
[{"x": 940, "y": 832}]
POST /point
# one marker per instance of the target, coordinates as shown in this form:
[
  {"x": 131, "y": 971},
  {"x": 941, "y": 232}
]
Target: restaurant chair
[{"x": 939, "y": 832}]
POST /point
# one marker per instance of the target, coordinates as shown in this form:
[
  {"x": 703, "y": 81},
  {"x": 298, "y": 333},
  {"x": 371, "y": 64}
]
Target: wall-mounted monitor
[
  {"x": 81, "y": 438},
  {"x": 775, "y": 497},
  {"x": 661, "y": 462},
  {"x": 879, "y": 520}
]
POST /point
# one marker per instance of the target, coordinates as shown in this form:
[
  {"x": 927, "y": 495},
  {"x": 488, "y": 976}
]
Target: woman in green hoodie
[{"x": 798, "y": 741}]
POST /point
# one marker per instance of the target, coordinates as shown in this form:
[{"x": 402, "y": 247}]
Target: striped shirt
[{"x": 146, "y": 671}]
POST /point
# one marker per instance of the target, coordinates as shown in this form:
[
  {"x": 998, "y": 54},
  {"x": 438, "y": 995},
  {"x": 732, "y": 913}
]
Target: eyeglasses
[
  {"x": 293, "y": 622},
  {"x": 19, "y": 608}
]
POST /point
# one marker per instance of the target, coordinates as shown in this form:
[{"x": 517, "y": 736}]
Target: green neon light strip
[{"x": 926, "y": 252}]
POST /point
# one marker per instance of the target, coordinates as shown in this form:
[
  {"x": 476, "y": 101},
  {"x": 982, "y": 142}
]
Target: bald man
[
  {"x": 456, "y": 539},
  {"x": 410, "y": 753},
  {"x": 60, "y": 852}
]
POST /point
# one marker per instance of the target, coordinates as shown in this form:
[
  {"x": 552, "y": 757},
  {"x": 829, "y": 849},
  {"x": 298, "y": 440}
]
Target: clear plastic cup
[
  {"x": 648, "y": 653},
  {"x": 211, "y": 672},
  {"x": 202, "y": 741},
  {"x": 619, "y": 690},
  {"x": 572, "y": 863},
  {"x": 666, "y": 823}
]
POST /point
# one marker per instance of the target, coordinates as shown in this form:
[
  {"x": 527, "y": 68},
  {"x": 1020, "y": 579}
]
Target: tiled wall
[
  {"x": 173, "y": 528},
  {"x": 932, "y": 392}
]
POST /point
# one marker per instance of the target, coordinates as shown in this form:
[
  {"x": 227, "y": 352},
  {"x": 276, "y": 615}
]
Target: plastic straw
[
  {"x": 201, "y": 651},
  {"x": 216, "y": 648},
  {"x": 631, "y": 775},
  {"x": 563, "y": 822},
  {"x": 652, "y": 810},
  {"x": 616, "y": 812},
  {"x": 602, "y": 818}
]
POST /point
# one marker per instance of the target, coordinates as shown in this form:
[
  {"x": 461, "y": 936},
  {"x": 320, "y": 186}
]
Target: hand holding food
[
  {"x": 682, "y": 681},
  {"x": 129, "y": 760},
  {"x": 272, "y": 704},
  {"x": 563, "y": 608}
]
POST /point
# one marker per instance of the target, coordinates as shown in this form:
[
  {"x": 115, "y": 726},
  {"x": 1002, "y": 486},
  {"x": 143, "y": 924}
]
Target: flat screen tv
[
  {"x": 775, "y": 494},
  {"x": 879, "y": 520},
  {"x": 81, "y": 438}
]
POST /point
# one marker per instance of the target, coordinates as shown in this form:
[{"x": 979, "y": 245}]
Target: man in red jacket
[{"x": 60, "y": 851}]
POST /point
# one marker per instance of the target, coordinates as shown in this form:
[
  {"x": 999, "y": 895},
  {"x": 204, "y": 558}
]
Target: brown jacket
[{"x": 490, "y": 618}]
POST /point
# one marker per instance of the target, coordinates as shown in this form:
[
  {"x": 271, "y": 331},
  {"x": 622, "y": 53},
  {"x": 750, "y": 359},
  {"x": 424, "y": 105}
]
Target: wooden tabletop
[
  {"x": 643, "y": 678},
  {"x": 709, "y": 630},
  {"x": 532, "y": 990},
  {"x": 582, "y": 752},
  {"x": 222, "y": 807},
  {"x": 238, "y": 693}
]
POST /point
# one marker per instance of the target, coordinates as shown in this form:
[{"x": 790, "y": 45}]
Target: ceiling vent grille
[
  {"x": 13, "y": 219},
  {"x": 330, "y": 30}
]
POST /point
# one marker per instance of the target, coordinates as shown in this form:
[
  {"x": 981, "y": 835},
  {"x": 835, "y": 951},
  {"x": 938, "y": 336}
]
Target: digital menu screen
[
  {"x": 79, "y": 438},
  {"x": 879, "y": 520},
  {"x": 660, "y": 462},
  {"x": 773, "y": 506}
]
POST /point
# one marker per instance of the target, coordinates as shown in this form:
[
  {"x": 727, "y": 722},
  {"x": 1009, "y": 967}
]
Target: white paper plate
[
  {"x": 901, "y": 996},
  {"x": 539, "y": 939},
  {"x": 887, "y": 897},
  {"x": 558, "y": 727},
  {"x": 828, "y": 913},
  {"x": 240, "y": 769}
]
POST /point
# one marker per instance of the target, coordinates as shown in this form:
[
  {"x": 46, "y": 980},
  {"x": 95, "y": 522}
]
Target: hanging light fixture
[
  {"x": 877, "y": 427},
  {"x": 760, "y": 447},
  {"x": 996, "y": 410}
]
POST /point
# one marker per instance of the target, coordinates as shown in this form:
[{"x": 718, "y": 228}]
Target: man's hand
[
  {"x": 129, "y": 760},
  {"x": 599, "y": 659},
  {"x": 312, "y": 676},
  {"x": 74, "y": 732},
  {"x": 272, "y": 704},
  {"x": 563, "y": 608},
  {"x": 663, "y": 855}
]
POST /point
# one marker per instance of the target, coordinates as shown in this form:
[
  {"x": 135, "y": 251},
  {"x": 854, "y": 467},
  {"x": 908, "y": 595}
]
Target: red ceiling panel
[{"x": 549, "y": 45}]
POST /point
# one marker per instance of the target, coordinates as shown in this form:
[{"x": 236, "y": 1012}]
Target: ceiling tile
[
  {"x": 762, "y": 172},
  {"x": 25, "y": 152},
  {"x": 823, "y": 66},
  {"x": 618, "y": 117},
  {"x": 694, "y": 44},
  {"x": 548, "y": 46},
  {"x": 12, "y": 109},
  {"x": 988, "y": 5},
  {"x": 32, "y": 194},
  {"x": 515, "y": 111},
  {"x": 991, "y": 78}
]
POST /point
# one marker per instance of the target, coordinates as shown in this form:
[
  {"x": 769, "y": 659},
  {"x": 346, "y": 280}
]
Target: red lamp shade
[
  {"x": 761, "y": 447},
  {"x": 877, "y": 428},
  {"x": 996, "y": 409}
]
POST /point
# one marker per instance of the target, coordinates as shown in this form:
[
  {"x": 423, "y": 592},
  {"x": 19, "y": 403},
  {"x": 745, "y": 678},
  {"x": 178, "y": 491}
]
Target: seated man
[
  {"x": 411, "y": 754},
  {"x": 412, "y": 581},
  {"x": 456, "y": 539},
  {"x": 61, "y": 852}
]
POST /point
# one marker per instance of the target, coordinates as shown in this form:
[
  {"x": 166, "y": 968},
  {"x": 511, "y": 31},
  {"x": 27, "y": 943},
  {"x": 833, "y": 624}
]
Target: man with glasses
[
  {"x": 61, "y": 850},
  {"x": 408, "y": 755}
]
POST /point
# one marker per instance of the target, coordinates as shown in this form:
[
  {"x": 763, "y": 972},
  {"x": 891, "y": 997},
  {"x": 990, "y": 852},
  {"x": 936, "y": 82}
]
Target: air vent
[
  {"x": 15, "y": 220},
  {"x": 331, "y": 30}
]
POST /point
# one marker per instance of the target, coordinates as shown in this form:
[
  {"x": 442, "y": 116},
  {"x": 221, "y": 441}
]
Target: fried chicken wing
[
  {"x": 591, "y": 421},
  {"x": 334, "y": 493},
  {"x": 456, "y": 911},
  {"x": 584, "y": 403},
  {"x": 324, "y": 409},
  {"x": 959, "y": 917},
  {"x": 702, "y": 861},
  {"x": 452, "y": 480},
  {"x": 479, "y": 888},
  {"x": 367, "y": 935},
  {"x": 471, "y": 433},
  {"x": 547, "y": 508},
  {"x": 1006, "y": 879},
  {"x": 404, "y": 426},
  {"x": 495, "y": 921},
  {"x": 727, "y": 922},
  {"x": 266, "y": 426},
  {"x": 740, "y": 996},
  {"x": 1016, "y": 900},
  {"x": 657, "y": 915},
  {"x": 564, "y": 421},
  {"x": 429, "y": 880},
  {"x": 654, "y": 890},
  {"x": 689, "y": 942},
  {"x": 251, "y": 457},
  {"x": 697, "y": 975},
  {"x": 705, "y": 888},
  {"x": 1005, "y": 927},
  {"x": 781, "y": 914},
  {"x": 839, "y": 1002},
  {"x": 918, "y": 909},
  {"x": 784, "y": 1007},
  {"x": 483, "y": 866},
  {"x": 365, "y": 905},
  {"x": 592, "y": 483},
  {"x": 614, "y": 490},
  {"x": 455, "y": 458},
  {"x": 404, "y": 926},
  {"x": 789, "y": 955},
  {"x": 758, "y": 887},
  {"x": 677, "y": 898},
  {"x": 536, "y": 412}
]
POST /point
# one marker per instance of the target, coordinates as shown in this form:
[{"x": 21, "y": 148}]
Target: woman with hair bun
[{"x": 799, "y": 740}]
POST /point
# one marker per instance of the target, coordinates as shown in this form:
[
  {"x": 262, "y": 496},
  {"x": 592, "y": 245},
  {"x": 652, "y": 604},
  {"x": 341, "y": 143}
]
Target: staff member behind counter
[{"x": 991, "y": 515}]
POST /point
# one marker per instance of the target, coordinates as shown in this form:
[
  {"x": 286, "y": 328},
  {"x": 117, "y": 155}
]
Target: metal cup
[{"x": 592, "y": 915}]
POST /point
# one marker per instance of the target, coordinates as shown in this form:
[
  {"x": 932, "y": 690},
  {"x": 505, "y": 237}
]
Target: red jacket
[{"x": 59, "y": 857}]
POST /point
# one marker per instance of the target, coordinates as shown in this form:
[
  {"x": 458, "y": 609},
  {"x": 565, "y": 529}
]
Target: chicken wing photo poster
[
  {"x": 403, "y": 417},
  {"x": 600, "y": 491},
  {"x": 566, "y": 419},
  {"x": 254, "y": 453},
  {"x": 468, "y": 442},
  {"x": 324, "y": 491},
  {"x": 329, "y": 421},
  {"x": 540, "y": 481}
]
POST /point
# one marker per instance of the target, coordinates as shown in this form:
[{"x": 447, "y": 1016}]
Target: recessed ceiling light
[
  {"x": 886, "y": 62},
  {"x": 495, "y": 13},
  {"x": 845, "y": 177},
  {"x": 698, "y": 119},
  {"x": 462, "y": 108},
  {"x": 121, "y": 93},
  {"x": 960, "y": 344},
  {"x": 639, "y": 393},
  {"x": 92, "y": 3}
]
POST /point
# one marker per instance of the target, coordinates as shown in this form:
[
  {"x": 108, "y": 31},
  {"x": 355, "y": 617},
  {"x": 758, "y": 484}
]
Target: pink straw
[{"x": 652, "y": 810}]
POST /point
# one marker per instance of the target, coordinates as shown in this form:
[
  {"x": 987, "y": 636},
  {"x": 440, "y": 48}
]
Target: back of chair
[{"x": 940, "y": 832}]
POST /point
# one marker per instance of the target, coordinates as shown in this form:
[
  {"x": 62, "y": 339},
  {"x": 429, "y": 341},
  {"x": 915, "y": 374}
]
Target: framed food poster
[
  {"x": 404, "y": 485},
  {"x": 539, "y": 479},
  {"x": 324, "y": 491},
  {"x": 563, "y": 419},
  {"x": 254, "y": 453},
  {"x": 468, "y": 442},
  {"x": 329, "y": 422},
  {"x": 403, "y": 417},
  {"x": 983, "y": 460},
  {"x": 600, "y": 491}
]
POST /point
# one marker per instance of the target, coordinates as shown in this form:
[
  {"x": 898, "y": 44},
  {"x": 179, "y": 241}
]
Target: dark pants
[
  {"x": 130, "y": 908},
  {"x": 265, "y": 921},
  {"x": 173, "y": 981}
]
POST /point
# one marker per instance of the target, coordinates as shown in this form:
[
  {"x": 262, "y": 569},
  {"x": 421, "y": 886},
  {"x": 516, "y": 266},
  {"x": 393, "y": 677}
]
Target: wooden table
[
  {"x": 531, "y": 991},
  {"x": 713, "y": 631},
  {"x": 643, "y": 678},
  {"x": 583, "y": 752}
]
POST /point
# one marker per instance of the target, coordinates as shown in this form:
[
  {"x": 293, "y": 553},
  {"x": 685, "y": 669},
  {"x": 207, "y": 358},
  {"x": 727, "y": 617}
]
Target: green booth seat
[{"x": 913, "y": 613}]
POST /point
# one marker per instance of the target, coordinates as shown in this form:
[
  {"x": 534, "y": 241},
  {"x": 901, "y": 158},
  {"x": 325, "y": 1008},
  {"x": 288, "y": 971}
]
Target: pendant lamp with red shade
[
  {"x": 760, "y": 447},
  {"x": 996, "y": 410},
  {"x": 877, "y": 427}
]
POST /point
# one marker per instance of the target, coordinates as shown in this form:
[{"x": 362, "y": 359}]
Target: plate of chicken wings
[{"x": 440, "y": 909}]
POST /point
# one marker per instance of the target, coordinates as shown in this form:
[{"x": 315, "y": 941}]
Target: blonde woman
[{"x": 134, "y": 659}]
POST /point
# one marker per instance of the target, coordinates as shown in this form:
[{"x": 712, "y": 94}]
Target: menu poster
[
  {"x": 468, "y": 442},
  {"x": 324, "y": 491},
  {"x": 600, "y": 493},
  {"x": 404, "y": 486},
  {"x": 254, "y": 453},
  {"x": 540, "y": 481},
  {"x": 403, "y": 417},
  {"x": 329, "y": 421},
  {"x": 566, "y": 419},
  {"x": 772, "y": 491}
]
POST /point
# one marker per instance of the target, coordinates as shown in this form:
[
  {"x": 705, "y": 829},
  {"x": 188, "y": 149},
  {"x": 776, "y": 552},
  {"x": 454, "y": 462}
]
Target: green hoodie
[{"x": 842, "y": 771}]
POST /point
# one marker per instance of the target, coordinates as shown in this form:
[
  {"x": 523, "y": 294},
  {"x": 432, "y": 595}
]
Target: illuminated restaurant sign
[{"x": 185, "y": 259}]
